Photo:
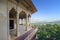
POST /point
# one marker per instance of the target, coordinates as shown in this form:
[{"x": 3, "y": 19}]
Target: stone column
[
  {"x": 25, "y": 24},
  {"x": 17, "y": 21},
  {"x": 17, "y": 26},
  {"x": 26, "y": 21}
]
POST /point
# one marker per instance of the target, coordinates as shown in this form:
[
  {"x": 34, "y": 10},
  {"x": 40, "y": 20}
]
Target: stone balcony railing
[{"x": 28, "y": 35}]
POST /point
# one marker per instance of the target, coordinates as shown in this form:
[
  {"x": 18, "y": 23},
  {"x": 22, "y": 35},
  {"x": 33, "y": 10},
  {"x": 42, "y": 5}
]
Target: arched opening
[
  {"x": 12, "y": 17},
  {"x": 22, "y": 24},
  {"x": 12, "y": 13},
  {"x": 29, "y": 15},
  {"x": 12, "y": 22},
  {"x": 22, "y": 17}
]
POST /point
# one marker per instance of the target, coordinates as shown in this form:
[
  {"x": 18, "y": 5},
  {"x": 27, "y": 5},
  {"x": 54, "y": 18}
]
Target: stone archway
[
  {"x": 22, "y": 15},
  {"x": 12, "y": 13},
  {"x": 12, "y": 22},
  {"x": 22, "y": 25}
]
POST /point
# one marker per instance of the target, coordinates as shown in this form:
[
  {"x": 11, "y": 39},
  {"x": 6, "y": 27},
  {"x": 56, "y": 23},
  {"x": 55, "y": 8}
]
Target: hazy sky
[{"x": 47, "y": 10}]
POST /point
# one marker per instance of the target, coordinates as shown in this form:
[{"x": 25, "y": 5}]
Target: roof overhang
[{"x": 28, "y": 4}]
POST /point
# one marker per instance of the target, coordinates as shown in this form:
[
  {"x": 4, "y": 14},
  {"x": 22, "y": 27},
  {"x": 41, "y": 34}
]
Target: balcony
[{"x": 29, "y": 35}]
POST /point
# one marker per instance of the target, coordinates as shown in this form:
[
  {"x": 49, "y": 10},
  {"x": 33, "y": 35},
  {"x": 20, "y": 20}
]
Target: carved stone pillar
[
  {"x": 26, "y": 21},
  {"x": 17, "y": 26}
]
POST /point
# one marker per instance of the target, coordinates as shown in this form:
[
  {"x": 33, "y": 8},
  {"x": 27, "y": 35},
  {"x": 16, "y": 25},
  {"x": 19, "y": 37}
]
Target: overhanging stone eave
[{"x": 29, "y": 5}]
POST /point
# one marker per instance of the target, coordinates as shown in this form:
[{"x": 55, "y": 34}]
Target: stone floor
[{"x": 25, "y": 35}]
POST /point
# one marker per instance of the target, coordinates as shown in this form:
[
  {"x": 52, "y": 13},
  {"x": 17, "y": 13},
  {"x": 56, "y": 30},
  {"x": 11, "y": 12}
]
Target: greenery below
[{"x": 48, "y": 31}]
